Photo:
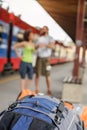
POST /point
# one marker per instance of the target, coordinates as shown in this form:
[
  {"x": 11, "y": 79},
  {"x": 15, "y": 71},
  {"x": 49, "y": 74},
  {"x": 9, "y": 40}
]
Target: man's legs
[
  {"x": 47, "y": 74},
  {"x": 38, "y": 70},
  {"x": 48, "y": 81},
  {"x": 37, "y": 77}
]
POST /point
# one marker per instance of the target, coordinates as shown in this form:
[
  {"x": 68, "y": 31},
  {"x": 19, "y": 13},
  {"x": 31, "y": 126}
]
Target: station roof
[{"x": 64, "y": 12}]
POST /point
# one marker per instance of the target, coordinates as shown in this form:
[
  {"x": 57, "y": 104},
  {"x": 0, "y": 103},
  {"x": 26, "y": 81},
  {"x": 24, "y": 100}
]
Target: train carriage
[{"x": 18, "y": 27}]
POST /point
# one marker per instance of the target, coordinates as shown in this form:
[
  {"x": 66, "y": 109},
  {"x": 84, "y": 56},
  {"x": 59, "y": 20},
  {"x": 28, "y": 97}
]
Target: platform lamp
[{"x": 8, "y": 66}]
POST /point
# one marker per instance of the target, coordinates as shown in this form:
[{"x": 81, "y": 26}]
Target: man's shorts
[
  {"x": 41, "y": 66},
  {"x": 26, "y": 68}
]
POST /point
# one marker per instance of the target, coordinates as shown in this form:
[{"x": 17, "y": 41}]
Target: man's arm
[
  {"x": 36, "y": 46},
  {"x": 51, "y": 45}
]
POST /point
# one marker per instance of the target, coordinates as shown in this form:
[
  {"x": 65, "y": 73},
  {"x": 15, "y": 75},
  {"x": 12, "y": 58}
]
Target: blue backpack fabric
[{"x": 39, "y": 113}]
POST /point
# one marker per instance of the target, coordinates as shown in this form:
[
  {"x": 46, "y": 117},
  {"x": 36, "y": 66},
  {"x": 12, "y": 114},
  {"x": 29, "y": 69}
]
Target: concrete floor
[{"x": 9, "y": 86}]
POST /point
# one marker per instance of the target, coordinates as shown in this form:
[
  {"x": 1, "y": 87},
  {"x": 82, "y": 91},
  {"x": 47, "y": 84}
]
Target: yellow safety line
[{"x": 9, "y": 79}]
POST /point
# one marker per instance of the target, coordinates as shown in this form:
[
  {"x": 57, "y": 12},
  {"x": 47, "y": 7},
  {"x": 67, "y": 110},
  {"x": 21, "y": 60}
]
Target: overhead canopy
[{"x": 64, "y": 12}]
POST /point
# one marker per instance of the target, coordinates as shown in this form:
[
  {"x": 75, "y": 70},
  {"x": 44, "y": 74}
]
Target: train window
[{"x": 1, "y": 30}]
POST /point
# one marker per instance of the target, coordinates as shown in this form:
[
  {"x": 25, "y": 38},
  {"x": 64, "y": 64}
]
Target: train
[
  {"x": 11, "y": 31},
  {"x": 9, "y": 22},
  {"x": 62, "y": 53}
]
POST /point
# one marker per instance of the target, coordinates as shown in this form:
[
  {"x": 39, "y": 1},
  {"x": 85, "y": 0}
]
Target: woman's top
[{"x": 28, "y": 54}]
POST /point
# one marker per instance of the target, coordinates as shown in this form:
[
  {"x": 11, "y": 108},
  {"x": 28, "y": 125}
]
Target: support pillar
[
  {"x": 73, "y": 90},
  {"x": 83, "y": 55},
  {"x": 79, "y": 36},
  {"x": 84, "y": 44}
]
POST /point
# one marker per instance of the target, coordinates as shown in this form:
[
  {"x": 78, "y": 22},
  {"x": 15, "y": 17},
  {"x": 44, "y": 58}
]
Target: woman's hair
[{"x": 26, "y": 35}]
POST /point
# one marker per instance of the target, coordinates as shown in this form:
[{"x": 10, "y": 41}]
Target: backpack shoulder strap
[{"x": 59, "y": 113}]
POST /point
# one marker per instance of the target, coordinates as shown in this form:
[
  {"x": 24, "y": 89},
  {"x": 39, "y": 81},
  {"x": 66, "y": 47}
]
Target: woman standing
[{"x": 26, "y": 62}]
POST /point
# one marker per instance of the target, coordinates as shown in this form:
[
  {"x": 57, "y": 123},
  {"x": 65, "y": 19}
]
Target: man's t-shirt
[{"x": 44, "y": 51}]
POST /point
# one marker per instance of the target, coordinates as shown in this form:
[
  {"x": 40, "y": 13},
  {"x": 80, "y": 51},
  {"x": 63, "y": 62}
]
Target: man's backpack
[
  {"x": 39, "y": 113},
  {"x": 79, "y": 109}
]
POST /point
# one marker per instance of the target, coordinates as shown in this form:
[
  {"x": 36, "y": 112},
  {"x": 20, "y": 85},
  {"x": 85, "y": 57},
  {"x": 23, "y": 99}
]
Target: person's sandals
[
  {"x": 36, "y": 91},
  {"x": 49, "y": 92},
  {"x": 25, "y": 93},
  {"x": 22, "y": 94}
]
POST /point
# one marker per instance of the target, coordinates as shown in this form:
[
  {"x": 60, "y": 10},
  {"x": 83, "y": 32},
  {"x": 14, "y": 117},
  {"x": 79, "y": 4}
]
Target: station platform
[{"x": 10, "y": 85}]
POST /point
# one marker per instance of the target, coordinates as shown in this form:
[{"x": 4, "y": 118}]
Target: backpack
[
  {"x": 39, "y": 113},
  {"x": 79, "y": 109}
]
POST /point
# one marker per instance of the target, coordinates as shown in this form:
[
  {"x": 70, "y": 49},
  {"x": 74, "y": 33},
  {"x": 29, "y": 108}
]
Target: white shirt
[{"x": 44, "y": 52}]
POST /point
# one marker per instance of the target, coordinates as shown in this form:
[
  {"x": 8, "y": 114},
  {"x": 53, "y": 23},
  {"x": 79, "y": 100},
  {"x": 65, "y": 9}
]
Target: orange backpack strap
[
  {"x": 69, "y": 105},
  {"x": 83, "y": 116}
]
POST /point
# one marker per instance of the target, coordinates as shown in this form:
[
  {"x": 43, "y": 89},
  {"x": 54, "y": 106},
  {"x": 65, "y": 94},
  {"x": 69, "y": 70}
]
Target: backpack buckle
[
  {"x": 59, "y": 112},
  {"x": 12, "y": 106}
]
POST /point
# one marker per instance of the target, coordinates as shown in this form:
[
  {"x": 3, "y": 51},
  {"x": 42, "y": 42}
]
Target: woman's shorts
[{"x": 26, "y": 68}]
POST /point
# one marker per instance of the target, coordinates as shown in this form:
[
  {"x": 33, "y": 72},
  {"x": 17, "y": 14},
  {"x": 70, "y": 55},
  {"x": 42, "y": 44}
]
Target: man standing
[{"x": 43, "y": 67}]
